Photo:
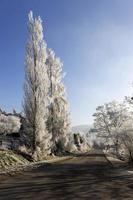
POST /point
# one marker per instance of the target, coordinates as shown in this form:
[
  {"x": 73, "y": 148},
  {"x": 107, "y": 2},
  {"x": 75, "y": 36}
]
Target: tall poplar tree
[
  {"x": 36, "y": 89},
  {"x": 58, "y": 122}
]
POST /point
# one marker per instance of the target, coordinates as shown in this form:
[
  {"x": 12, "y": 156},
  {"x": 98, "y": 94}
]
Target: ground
[{"x": 90, "y": 177}]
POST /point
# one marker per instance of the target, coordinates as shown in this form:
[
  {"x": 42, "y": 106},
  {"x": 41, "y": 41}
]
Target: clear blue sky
[{"x": 93, "y": 38}]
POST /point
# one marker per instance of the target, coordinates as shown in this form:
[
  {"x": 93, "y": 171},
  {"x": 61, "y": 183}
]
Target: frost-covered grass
[
  {"x": 9, "y": 159},
  {"x": 12, "y": 163}
]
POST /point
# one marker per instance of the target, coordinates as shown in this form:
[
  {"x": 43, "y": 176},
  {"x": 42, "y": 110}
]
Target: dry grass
[{"x": 10, "y": 159}]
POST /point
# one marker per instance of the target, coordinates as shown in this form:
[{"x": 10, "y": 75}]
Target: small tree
[{"x": 36, "y": 89}]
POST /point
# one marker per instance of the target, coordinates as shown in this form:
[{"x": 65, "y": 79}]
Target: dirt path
[{"x": 89, "y": 177}]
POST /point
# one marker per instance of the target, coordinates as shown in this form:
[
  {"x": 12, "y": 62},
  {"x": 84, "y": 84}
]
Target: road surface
[{"x": 89, "y": 177}]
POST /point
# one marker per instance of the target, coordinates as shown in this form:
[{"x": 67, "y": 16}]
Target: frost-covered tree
[
  {"x": 36, "y": 88},
  {"x": 80, "y": 141},
  {"x": 58, "y": 122},
  {"x": 9, "y": 123},
  {"x": 110, "y": 120}
]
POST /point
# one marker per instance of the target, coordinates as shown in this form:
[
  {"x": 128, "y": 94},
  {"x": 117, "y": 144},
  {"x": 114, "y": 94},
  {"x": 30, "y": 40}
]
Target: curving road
[{"x": 89, "y": 177}]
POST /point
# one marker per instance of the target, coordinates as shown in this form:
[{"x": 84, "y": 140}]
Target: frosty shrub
[{"x": 9, "y": 124}]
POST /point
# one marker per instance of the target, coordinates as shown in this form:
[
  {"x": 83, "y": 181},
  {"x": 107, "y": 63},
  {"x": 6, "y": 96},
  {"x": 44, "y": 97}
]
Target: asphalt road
[{"x": 89, "y": 177}]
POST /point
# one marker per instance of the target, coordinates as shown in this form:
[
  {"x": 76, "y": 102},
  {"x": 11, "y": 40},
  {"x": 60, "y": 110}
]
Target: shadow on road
[{"x": 83, "y": 177}]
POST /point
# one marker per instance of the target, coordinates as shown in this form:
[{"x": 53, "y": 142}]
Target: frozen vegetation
[{"x": 43, "y": 128}]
